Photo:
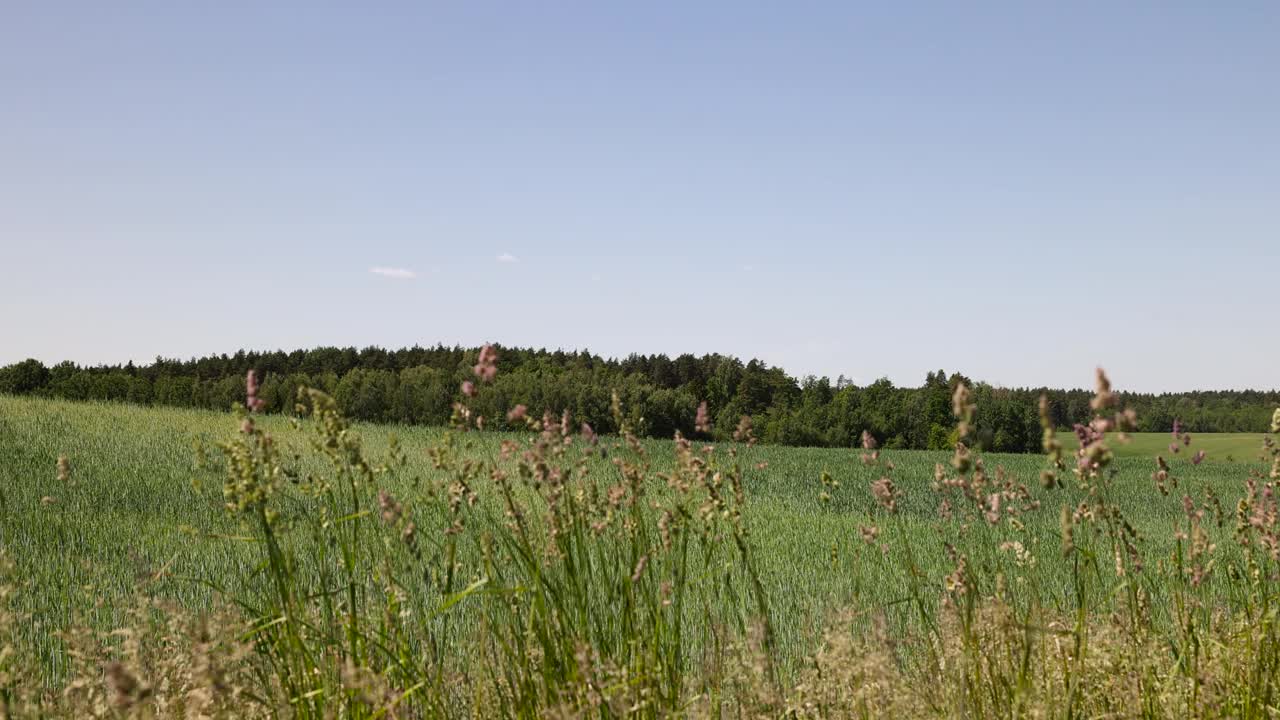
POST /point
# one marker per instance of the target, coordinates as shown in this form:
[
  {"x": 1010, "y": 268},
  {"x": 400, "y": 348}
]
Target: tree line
[{"x": 659, "y": 395}]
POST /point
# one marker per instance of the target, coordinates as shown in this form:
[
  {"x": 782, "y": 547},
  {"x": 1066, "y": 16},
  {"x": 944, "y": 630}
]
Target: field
[
  {"x": 1218, "y": 447},
  {"x": 138, "y": 516}
]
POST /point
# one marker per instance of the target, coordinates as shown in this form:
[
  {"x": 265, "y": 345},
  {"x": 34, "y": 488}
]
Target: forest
[{"x": 659, "y": 395}]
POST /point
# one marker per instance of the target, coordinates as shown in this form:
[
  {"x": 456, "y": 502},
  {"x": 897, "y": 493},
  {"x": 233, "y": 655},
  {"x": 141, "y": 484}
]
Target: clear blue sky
[{"x": 1018, "y": 191}]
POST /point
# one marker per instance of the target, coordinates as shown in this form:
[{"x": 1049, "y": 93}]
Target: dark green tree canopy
[{"x": 660, "y": 395}]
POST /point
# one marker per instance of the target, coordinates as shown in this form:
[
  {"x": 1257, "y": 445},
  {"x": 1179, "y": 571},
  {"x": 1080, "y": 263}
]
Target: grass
[
  {"x": 141, "y": 517},
  {"x": 138, "y": 506},
  {"x": 1218, "y": 447}
]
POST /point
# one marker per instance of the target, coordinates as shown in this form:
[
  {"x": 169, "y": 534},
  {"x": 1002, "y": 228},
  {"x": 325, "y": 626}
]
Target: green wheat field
[{"x": 142, "y": 514}]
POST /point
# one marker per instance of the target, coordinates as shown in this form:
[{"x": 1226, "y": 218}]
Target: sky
[{"x": 1019, "y": 191}]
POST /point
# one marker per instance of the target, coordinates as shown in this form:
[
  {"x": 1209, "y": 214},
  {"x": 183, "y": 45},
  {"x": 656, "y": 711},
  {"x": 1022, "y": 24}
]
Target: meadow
[
  {"x": 384, "y": 569},
  {"x": 1218, "y": 447}
]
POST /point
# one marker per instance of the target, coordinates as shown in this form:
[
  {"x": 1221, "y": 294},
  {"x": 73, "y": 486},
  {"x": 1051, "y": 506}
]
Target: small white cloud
[
  {"x": 394, "y": 273},
  {"x": 508, "y": 258}
]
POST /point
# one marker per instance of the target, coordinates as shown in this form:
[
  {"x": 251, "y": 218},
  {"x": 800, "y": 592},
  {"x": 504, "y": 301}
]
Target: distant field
[
  {"x": 138, "y": 508},
  {"x": 1218, "y": 447}
]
